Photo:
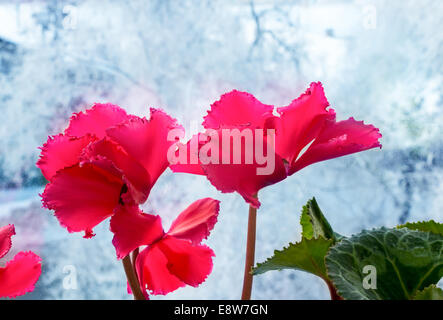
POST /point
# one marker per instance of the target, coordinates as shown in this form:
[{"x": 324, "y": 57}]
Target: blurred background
[{"x": 379, "y": 61}]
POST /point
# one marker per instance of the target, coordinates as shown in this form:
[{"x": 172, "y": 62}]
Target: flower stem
[
  {"x": 250, "y": 253},
  {"x": 134, "y": 258},
  {"x": 333, "y": 292},
  {"x": 132, "y": 278}
]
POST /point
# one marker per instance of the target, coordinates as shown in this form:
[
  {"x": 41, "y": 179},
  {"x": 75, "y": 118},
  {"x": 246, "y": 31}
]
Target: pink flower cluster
[{"x": 106, "y": 162}]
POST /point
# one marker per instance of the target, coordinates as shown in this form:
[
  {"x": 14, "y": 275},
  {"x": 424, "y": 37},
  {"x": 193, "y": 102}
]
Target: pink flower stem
[
  {"x": 250, "y": 254},
  {"x": 132, "y": 279},
  {"x": 333, "y": 292},
  {"x": 134, "y": 258}
]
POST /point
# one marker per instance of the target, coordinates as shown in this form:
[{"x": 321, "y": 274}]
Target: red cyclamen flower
[
  {"x": 305, "y": 123},
  {"x": 22, "y": 272},
  {"x": 172, "y": 259},
  {"x": 104, "y": 158}
]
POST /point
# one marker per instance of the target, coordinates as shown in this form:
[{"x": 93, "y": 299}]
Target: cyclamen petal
[
  {"x": 231, "y": 175},
  {"x": 6, "y": 233},
  {"x": 236, "y": 109},
  {"x": 168, "y": 263},
  {"x": 192, "y": 163},
  {"x": 153, "y": 273},
  {"x": 190, "y": 263},
  {"x": 61, "y": 151},
  {"x": 96, "y": 120},
  {"x": 339, "y": 139},
  {"x": 133, "y": 173},
  {"x": 306, "y": 123},
  {"x": 82, "y": 197},
  {"x": 20, "y": 274},
  {"x": 147, "y": 140},
  {"x": 132, "y": 228},
  {"x": 196, "y": 222},
  {"x": 244, "y": 177},
  {"x": 301, "y": 121}
]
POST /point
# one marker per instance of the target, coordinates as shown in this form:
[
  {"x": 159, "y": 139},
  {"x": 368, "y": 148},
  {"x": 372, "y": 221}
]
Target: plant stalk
[
  {"x": 250, "y": 254},
  {"x": 134, "y": 258},
  {"x": 132, "y": 278},
  {"x": 333, "y": 292}
]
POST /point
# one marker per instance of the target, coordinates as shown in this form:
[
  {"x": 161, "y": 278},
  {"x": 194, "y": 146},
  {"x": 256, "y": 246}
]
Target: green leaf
[
  {"x": 314, "y": 223},
  {"x": 306, "y": 223},
  {"x": 405, "y": 262},
  {"x": 307, "y": 255},
  {"x": 430, "y": 293},
  {"x": 430, "y": 226}
]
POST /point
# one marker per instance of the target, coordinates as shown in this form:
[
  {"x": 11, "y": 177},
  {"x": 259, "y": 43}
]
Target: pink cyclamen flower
[
  {"x": 103, "y": 159},
  {"x": 173, "y": 259},
  {"x": 20, "y": 274},
  {"x": 306, "y": 132}
]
